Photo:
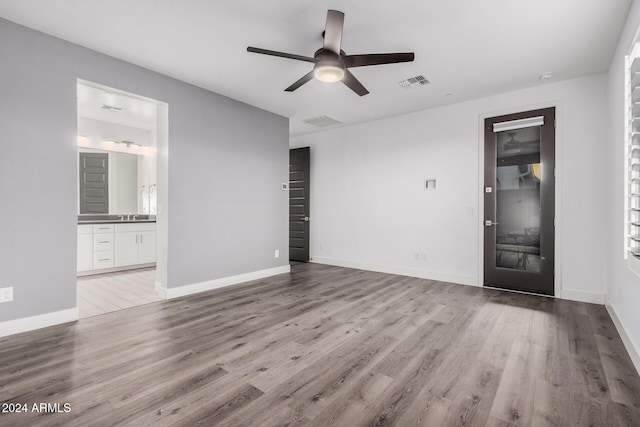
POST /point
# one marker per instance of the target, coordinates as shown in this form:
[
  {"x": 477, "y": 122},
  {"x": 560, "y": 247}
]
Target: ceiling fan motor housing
[{"x": 328, "y": 66}]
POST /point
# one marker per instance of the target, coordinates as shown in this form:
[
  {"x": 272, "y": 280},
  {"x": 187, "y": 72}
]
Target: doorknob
[
  {"x": 489, "y": 223},
  {"x": 306, "y": 219}
]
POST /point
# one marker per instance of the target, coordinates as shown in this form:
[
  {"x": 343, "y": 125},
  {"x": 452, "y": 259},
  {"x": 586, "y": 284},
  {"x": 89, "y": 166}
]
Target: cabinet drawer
[
  {"x": 133, "y": 227},
  {"x": 103, "y": 242},
  {"x": 103, "y": 228},
  {"x": 102, "y": 260},
  {"x": 85, "y": 229}
]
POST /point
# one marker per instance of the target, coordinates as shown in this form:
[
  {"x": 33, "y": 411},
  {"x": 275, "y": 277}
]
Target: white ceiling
[
  {"x": 134, "y": 111},
  {"x": 468, "y": 48}
]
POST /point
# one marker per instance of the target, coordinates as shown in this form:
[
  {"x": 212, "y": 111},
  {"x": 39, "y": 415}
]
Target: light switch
[{"x": 430, "y": 184}]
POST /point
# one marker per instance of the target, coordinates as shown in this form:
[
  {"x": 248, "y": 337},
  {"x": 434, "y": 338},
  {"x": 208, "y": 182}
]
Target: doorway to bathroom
[{"x": 118, "y": 242}]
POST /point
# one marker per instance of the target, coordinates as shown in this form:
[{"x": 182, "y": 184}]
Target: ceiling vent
[
  {"x": 111, "y": 108},
  {"x": 413, "y": 82},
  {"x": 322, "y": 121}
]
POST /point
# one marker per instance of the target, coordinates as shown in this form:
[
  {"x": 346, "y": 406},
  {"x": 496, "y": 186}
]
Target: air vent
[
  {"x": 111, "y": 108},
  {"x": 413, "y": 82},
  {"x": 322, "y": 121}
]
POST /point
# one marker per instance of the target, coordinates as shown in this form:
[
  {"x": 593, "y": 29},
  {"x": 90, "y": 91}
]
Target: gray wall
[{"x": 226, "y": 211}]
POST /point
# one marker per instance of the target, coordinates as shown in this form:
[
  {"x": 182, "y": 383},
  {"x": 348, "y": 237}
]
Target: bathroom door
[{"x": 519, "y": 194}]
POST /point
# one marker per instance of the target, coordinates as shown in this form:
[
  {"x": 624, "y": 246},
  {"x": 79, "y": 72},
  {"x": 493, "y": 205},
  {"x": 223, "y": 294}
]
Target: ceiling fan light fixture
[{"x": 328, "y": 73}]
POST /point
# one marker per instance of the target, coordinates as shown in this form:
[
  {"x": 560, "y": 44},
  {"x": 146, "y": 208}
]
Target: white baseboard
[
  {"x": 114, "y": 269},
  {"x": 26, "y": 324},
  {"x": 225, "y": 281},
  {"x": 581, "y": 296},
  {"x": 632, "y": 348},
  {"x": 161, "y": 290},
  {"x": 402, "y": 271}
]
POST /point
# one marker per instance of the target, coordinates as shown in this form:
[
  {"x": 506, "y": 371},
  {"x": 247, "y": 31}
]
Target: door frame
[{"x": 557, "y": 277}]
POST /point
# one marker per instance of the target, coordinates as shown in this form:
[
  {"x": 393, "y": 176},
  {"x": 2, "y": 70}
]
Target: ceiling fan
[{"x": 331, "y": 64}]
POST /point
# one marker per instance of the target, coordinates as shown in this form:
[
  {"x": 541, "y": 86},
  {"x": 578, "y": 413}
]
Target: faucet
[{"x": 121, "y": 217}]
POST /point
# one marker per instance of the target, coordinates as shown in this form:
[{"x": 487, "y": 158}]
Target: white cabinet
[
  {"x": 85, "y": 248},
  {"x": 135, "y": 244},
  {"x": 147, "y": 247},
  {"x": 126, "y": 249},
  {"x": 102, "y": 246},
  {"x": 111, "y": 246},
  {"x": 102, "y": 259}
]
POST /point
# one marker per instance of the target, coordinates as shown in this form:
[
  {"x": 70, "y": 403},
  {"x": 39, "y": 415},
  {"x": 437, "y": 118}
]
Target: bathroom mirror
[{"x": 112, "y": 182}]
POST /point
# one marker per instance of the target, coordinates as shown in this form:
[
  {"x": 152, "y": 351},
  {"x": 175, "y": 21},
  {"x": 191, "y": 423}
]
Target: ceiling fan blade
[
  {"x": 377, "y": 59},
  {"x": 300, "y": 82},
  {"x": 280, "y": 54},
  {"x": 353, "y": 83},
  {"x": 333, "y": 31}
]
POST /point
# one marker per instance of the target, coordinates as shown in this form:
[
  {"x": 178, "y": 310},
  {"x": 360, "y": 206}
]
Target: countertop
[
  {"x": 113, "y": 221},
  {"x": 114, "y": 218}
]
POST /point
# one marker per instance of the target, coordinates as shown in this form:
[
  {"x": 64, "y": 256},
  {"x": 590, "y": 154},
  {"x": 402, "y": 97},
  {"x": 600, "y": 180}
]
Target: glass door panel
[{"x": 518, "y": 173}]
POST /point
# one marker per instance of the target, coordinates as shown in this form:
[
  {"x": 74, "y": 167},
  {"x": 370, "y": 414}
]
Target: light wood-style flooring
[
  {"x": 329, "y": 346},
  {"x": 104, "y": 293}
]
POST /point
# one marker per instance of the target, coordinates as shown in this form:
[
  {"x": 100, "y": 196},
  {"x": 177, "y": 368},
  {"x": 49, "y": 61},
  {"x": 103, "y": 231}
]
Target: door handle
[
  {"x": 305, "y": 219},
  {"x": 489, "y": 223}
]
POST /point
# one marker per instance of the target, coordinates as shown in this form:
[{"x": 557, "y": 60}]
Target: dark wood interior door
[
  {"x": 299, "y": 204},
  {"x": 519, "y": 201},
  {"x": 94, "y": 183}
]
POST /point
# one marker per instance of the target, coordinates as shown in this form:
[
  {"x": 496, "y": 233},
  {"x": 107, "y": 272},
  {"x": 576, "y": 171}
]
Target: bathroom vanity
[{"x": 108, "y": 243}]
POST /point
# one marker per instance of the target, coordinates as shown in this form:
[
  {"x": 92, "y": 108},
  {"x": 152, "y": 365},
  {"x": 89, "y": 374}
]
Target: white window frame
[{"x": 631, "y": 161}]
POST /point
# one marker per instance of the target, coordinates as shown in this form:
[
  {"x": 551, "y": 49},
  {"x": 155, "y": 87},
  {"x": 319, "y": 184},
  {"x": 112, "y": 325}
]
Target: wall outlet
[
  {"x": 6, "y": 294},
  {"x": 277, "y": 253}
]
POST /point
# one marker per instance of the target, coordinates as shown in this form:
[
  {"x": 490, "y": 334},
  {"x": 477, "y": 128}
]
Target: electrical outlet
[
  {"x": 277, "y": 253},
  {"x": 6, "y": 294}
]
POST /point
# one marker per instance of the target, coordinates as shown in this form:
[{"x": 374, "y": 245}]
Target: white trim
[
  {"x": 26, "y": 324},
  {"x": 114, "y": 269},
  {"x": 402, "y": 271},
  {"x": 632, "y": 349},
  {"x": 557, "y": 280},
  {"x": 581, "y": 296},
  {"x": 194, "y": 288},
  {"x": 160, "y": 290}
]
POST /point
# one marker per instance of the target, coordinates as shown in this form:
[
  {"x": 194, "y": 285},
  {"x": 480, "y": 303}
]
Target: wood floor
[
  {"x": 329, "y": 346},
  {"x": 104, "y": 293}
]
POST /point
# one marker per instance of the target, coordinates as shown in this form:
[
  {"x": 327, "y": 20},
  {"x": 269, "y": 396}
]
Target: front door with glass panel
[{"x": 519, "y": 188}]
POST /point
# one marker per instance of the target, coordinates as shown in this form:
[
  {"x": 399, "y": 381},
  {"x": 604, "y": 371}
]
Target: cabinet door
[
  {"x": 147, "y": 247},
  {"x": 126, "y": 248},
  {"x": 85, "y": 252}
]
